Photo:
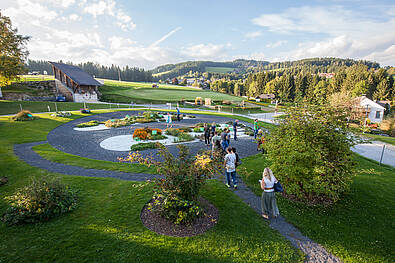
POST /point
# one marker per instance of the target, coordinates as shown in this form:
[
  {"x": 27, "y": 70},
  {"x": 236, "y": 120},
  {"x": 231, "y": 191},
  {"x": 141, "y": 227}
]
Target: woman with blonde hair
[{"x": 268, "y": 201}]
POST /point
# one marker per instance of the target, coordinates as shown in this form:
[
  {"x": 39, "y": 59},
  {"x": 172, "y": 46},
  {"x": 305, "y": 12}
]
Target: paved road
[{"x": 374, "y": 150}]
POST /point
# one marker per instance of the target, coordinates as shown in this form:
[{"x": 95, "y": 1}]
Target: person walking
[
  {"x": 230, "y": 167},
  {"x": 169, "y": 121},
  {"x": 206, "y": 134},
  {"x": 268, "y": 199},
  {"x": 228, "y": 136},
  {"x": 224, "y": 141},
  {"x": 213, "y": 128},
  {"x": 178, "y": 114},
  {"x": 215, "y": 142},
  {"x": 235, "y": 129},
  {"x": 256, "y": 128}
]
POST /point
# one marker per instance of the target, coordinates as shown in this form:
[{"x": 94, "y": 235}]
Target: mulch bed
[{"x": 154, "y": 222}]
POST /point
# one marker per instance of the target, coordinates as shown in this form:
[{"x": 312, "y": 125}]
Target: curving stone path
[{"x": 63, "y": 139}]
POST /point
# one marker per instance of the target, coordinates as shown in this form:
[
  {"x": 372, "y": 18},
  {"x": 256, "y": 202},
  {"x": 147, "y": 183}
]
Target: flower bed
[
  {"x": 148, "y": 134},
  {"x": 89, "y": 124},
  {"x": 24, "y": 115},
  {"x": 145, "y": 146}
]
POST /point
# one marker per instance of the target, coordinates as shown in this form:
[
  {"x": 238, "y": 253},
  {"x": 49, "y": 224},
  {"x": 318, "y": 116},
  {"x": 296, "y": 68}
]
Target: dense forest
[
  {"x": 297, "y": 84},
  {"x": 99, "y": 71},
  {"x": 239, "y": 66}
]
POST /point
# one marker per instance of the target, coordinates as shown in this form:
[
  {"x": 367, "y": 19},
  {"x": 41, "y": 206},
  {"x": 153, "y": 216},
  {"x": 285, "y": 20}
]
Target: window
[{"x": 377, "y": 114}]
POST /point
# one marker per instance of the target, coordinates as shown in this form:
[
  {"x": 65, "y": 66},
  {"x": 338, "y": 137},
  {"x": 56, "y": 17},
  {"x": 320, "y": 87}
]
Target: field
[
  {"x": 219, "y": 69},
  {"x": 125, "y": 92},
  {"x": 106, "y": 226},
  {"x": 360, "y": 227},
  {"x": 34, "y": 78},
  {"x": 13, "y": 107}
]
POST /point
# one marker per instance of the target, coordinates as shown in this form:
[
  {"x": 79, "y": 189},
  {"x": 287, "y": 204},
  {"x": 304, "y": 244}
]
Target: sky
[{"x": 156, "y": 32}]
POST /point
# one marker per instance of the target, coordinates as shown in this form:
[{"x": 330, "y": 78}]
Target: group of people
[{"x": 169, "y": 120}]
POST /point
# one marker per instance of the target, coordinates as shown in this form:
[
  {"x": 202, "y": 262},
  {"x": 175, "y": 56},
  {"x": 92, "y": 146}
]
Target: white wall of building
[
  {"x": 87, "y": 97},
  {"x": 376, "y": 113}
]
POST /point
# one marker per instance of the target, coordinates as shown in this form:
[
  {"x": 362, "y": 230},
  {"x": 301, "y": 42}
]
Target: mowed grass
[
  {"x": 13, "y": 107},
  {"x": 52, "y": 154},
  {"x": 359, "y": 228},
  {"x": 34, "y": 78},
  {"x": 389, "y": 140},
  {"x": 106, "y": 226},
  {"x": 219, "y": 69},
  {"x": 125, "y": 92}
]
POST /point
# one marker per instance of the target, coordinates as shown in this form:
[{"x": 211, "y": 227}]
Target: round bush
[
  {"x": 311, "y": 155},
  {"x": 24, "y": 115},
  {"x": 43, "y": 199}
]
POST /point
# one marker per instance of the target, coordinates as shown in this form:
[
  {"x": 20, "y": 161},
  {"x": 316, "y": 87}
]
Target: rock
[{"x": 3, "y": 180}]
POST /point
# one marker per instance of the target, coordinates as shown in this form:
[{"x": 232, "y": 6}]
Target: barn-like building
[{"x": 75, "y": 84}]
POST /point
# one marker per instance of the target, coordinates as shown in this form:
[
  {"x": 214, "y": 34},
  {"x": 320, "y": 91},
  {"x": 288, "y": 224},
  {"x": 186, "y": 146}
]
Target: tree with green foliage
[
  {"x": 383, "y": 91},
  {"x": 12, "y": 51},
  {"x": 310, "y": 153}
]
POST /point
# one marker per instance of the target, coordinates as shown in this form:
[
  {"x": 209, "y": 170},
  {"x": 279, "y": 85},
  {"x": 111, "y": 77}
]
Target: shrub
[
  {"x": 172, "y": 131},
  {"x": 24, "y": 115},
  {"x": 310, "y": 154},
  {"x": 61, "y": 114},
  {"x": 115, "y": 123},
  {"x": 185, "y": 129},
  {"x": 156, "y": 137},
  {"x": 85, "y": 110},
  {"x": 43, "y": 199},
  {"x": 176, "y": 196},
  {"x": 142, "y": 134},
  {"x": 89, "y": 124},
  {"x": 183, "y": 137},
  {"x": 144, "y": 145}
]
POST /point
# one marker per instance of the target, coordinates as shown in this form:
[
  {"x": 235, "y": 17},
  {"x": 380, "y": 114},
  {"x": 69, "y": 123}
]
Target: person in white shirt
[
  {"x": 268, "y": 200},
  {"x": 169, "y": 121},
  {"x": 230, "y": 167}
]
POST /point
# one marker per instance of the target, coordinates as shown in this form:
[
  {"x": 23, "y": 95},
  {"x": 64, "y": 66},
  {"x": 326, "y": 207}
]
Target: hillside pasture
[
  {"x": 219, "y": 69},
  {"x": 125, "y": 92}
]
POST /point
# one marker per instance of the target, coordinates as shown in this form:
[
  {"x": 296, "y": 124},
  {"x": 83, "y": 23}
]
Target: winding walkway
[{"x": 313, "y": 251}]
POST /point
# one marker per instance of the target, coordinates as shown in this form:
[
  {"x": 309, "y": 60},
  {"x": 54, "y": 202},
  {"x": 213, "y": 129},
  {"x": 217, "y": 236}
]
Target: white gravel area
[
  {"x": 123, "y": 143},
  {"x": 92, "y": 128}
]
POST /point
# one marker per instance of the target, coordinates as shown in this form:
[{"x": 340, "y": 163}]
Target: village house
[
  {"x": 366, "y": 108},
  {"x": 75, "y": 84}
]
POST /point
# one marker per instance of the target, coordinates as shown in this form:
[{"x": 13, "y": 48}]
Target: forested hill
[
  {"x": 99, "y": 71},
  {"x": 318, "y": 65},
  {"x": 241, "y": 66},
  {"x": 236, "y": 66}
]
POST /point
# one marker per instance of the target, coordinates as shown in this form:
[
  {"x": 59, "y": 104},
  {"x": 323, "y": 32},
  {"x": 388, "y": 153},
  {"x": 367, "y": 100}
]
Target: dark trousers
[
  {"x": 207, "y": 138},
  {"x": 235, "y": 134}
]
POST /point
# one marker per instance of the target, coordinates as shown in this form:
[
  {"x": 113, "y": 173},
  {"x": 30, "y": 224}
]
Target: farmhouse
[
  {"x": 368, "y": 108},
  {"x": 75, "y": 84}
]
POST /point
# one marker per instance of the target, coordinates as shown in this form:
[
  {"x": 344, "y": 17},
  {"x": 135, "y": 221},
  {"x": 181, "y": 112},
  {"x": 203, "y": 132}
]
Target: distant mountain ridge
[{"x": 241, "y": 66}]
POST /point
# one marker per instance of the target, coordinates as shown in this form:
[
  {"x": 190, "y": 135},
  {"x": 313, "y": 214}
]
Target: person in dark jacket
[
  {"x": 206, "y": 134},
  {"x": 235, "y": 129}
]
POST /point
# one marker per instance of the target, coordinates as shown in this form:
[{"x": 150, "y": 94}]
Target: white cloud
[
  {"x": 345, "y": 33},
  {"x": 253, "y": 35},
  {"x": 74, "y": 17},
  {"x": 30, "y": 11},
  {"x": 206, "y": 51},
  {"x": 109, "y": 8},
  {"x": 276, "y": 44}
]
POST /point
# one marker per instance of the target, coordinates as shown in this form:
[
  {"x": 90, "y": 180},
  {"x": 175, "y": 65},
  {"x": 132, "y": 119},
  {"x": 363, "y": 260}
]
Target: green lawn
[
  {"x": 360, "y": 227},
  {"x": 34, "y": 78},
  {"x": 389, "y": 140},
  {"x": 219, "y": 69},
  {"x": 13, "y": 107},
  {"x": 106, "y": 226},
  {"x": 125, "y": 92},
  {"x": 52, "y": 154}
]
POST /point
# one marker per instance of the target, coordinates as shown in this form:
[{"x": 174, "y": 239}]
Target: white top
[
  {"x": 269, "y": 184},
  {"x": 230, "y": 160},
  {"x": 169, "y": 119}
]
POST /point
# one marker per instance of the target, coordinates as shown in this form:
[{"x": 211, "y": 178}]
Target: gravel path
[
  {"x": 26, "y": 153},
  {"x": 86, "y": 144},
  {"x": 314, "y": 252}
]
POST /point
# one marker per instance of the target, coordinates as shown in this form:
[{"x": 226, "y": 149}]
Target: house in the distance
[
  {"x": 75, "y": 84},
  {"x": 365, "y": 107}
]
